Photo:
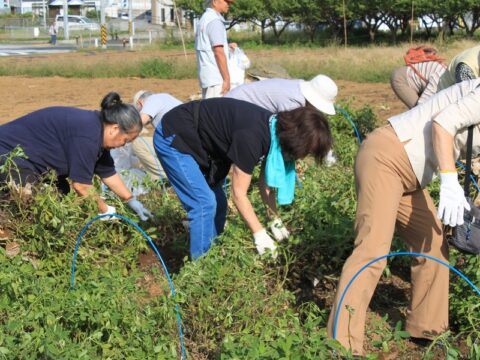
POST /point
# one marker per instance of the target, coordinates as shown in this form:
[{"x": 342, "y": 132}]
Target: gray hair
[
  {"x": 207, "y": 3},
  {"x": 141, "y": 95},
  {"x": 126, "y": 116}
]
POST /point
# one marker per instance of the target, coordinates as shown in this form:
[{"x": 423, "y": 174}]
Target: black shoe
[{"x": 420, "y": 341}]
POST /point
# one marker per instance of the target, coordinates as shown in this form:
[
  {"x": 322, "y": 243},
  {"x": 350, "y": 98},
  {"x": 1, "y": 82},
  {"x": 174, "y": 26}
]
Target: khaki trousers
[
  {"x": 401, "y": 88},
  {"x": 143, "y": 149},
  {"x": 390, "y": 196}
]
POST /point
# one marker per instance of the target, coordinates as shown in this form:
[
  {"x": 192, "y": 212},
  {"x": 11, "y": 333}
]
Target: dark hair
[
  {"x": 126, "y": 116},
  {"x": 304, "y": 131}
]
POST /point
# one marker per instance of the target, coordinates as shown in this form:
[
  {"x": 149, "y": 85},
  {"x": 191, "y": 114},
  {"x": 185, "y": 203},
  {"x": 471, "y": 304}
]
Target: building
[{"x": 163, "y": 13}]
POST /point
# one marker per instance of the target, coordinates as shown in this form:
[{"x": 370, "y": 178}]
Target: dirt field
[{"x": 21, "y": 95}]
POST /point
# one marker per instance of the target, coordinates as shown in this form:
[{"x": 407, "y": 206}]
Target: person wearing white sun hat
[
  {"x": 320, "y": 92},
  {"x": 277, "y": 95}
]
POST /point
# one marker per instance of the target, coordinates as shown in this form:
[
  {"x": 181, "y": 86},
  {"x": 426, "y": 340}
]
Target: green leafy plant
[{"x": 233, "y": 303}]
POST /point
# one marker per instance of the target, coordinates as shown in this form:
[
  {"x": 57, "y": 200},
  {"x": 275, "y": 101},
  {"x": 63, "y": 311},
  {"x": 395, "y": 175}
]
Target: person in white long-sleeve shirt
[{"x": 392, "y": 170}]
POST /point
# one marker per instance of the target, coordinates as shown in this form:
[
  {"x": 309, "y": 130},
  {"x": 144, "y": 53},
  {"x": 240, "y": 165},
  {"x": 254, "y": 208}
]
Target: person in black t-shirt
[
  {"x": 74, "y": 143},
  {"x": 199, "y": 141}
]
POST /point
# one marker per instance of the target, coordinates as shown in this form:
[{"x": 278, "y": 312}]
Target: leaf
[
  {"x": 12, "y": 249},
  {"x": 402, "y": 334},
  {"x": 4, "y": 350}
]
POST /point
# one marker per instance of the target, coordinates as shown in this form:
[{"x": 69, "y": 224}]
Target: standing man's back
[{"x": 211, "y": 48}]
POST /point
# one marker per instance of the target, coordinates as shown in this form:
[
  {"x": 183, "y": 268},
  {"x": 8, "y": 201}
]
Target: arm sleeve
[
  {"x": 245, "y": 150},
  {"x": 105, "y": 166},
  {"x": 464, "y": 72},
  {"x": 431, "y": 88},
  {"x": 151, "y": 108},
  {"x": 82, "y": 156},
  {"x": 216, "y": 33},
  {"x": 462, "y": 114}
]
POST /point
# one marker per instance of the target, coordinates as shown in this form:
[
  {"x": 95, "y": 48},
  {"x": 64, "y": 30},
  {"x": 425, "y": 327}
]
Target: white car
[{"x": 77, "y": 22}]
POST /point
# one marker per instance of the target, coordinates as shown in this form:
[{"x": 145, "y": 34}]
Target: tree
[
  {"x": 309, "y": 14},
  {"x": 281, "y": 12},
  {"x": 471, "y": 18},
  {"x": 370, "y": 12},
  {"x": 195, "y": 6},
  {"x": 396, "y": 15}
]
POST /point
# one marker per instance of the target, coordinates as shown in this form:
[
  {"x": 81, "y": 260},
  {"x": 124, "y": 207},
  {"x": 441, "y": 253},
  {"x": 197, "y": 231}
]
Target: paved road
[{"x": 23, "y": 50}]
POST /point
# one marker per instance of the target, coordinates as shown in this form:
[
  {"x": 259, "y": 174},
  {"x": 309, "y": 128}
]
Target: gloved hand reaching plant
[
  {"x": 143, "y": 213},
  {"x": 279, "y": 230},
  {"x": 110, "y": 210},
  {"x": 452, "y": 200},
  {"x": 264, "y": 242}
]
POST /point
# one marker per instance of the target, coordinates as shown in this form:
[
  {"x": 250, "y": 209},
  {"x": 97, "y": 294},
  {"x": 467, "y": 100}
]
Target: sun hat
[{"x": 320, "y": 92}]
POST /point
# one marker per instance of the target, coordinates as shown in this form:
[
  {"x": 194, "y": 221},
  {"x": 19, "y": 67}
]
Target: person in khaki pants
[
  {"x": 394, "y": 165},
  {"x": 152, "y": 108}
]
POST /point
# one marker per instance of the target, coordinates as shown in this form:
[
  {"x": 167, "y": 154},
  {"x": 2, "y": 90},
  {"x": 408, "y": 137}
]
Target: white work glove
[
  {"x": 264, "y": 242},
  {"x": 110, "y": 210},
  {"x": 330, "y": 159},
  {"x": 143, "y": 213},
  {"x": 452, "y": 200},
  {"x": 279, "y": 230}
]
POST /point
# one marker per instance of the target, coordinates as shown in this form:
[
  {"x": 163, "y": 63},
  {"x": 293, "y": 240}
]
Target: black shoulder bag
[
  {"x": 466, "y": 237},
  {"x": 217, "y": 169}
]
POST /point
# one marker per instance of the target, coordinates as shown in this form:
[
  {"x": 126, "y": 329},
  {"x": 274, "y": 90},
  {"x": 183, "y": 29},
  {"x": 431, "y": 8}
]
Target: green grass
[
  {"x": 156, "y": 68},
  {"x": 234, "y": 304},
  {"x": 165, "y": 61}
]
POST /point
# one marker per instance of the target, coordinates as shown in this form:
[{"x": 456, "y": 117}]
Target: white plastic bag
[
  {"x": 127, "y": 166},
  {"x": 238, "y": 62}
]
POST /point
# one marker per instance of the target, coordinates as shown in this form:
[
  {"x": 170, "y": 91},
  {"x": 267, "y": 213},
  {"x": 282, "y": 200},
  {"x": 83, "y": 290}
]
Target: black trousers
[{"x": 23, "y": 176}]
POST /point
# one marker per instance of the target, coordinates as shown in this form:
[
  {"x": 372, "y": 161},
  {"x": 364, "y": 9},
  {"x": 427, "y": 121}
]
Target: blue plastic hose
[
  {"x": 474, "y": 181},
  {"x": 349, "y": 118},
  {"x": 299, "y": 183},
  {"x": 149, "y": 240},
  {"x": 406, "y": 253}
]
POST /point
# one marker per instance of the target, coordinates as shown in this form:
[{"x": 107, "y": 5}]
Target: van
[{"x": 77, "y": 22}]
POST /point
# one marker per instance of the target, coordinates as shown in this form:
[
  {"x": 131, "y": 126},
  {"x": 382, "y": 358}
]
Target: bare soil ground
[{"x": 21, "y": 95}]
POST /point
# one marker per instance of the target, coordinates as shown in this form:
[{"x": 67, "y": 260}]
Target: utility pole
[
  {"x": 65, "y": 20},
  {"x": 44, "y": 5},
  {"x": 345, "y": 24},
  {"x": 411, "y": 26},
  {"x": 103, "y": 24},
  {"x": 130, "y": 22},
  {"x": 130, "y": 17}
]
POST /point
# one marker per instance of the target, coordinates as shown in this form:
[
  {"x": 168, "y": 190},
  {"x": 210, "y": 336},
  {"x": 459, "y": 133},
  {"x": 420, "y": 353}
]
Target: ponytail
[{"x": 114, "y": 111}]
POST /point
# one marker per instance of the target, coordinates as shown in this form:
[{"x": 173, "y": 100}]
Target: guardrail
[{"x": 117, "y": 29}]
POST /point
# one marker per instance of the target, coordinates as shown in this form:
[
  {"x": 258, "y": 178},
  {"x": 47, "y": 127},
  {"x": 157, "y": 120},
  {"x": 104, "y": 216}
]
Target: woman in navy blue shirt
[{"x": 75, "y": 144}]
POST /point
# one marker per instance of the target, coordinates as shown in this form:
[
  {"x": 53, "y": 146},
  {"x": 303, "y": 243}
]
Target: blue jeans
[{"x": 206, "y": 207}]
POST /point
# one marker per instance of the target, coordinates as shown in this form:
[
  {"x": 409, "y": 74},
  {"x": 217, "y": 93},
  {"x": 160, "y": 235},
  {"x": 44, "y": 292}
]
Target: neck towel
[{"x": 279, "y": 174}]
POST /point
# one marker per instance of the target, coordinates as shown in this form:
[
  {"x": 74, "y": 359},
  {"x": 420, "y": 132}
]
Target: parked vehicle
[{"x": 77, "y": 22}]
